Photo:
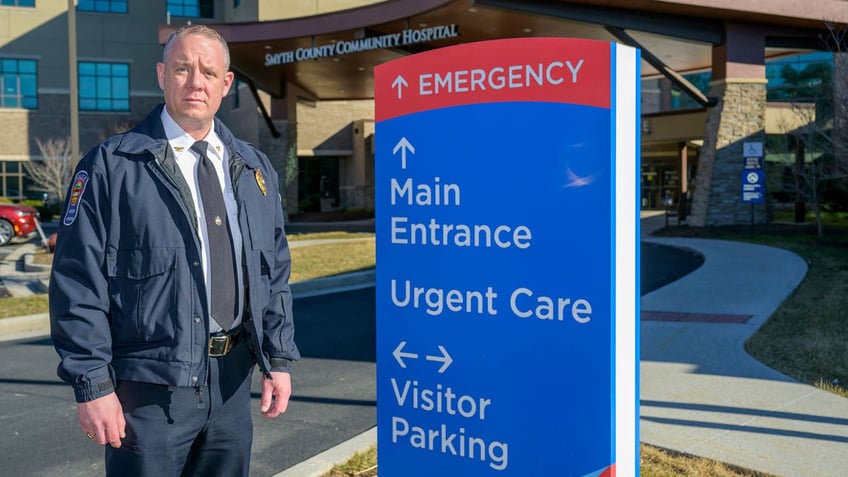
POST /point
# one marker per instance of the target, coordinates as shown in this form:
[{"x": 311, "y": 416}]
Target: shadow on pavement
[{"x": 663, "y": 264}]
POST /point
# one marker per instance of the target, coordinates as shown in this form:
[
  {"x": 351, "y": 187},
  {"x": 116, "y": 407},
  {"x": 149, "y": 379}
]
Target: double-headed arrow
[{"x": 400, "y": 355}]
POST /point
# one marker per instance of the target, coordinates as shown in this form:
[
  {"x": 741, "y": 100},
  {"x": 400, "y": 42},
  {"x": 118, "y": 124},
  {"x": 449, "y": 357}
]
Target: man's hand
[
  {"x": 275, "y": 394},
  {"x": 103, "y": 418}
]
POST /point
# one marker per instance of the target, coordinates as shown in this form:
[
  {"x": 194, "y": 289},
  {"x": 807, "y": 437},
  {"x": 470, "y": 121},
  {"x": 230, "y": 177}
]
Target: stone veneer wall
[
  {"x": 739, "y": 117},
  {"x": 276, "y": 148}
]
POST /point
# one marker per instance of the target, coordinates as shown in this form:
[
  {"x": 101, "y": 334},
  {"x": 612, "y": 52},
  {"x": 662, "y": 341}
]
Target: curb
[
  {"x": 20, "y": 327},
  {"x": 29, "y": 326},
  {"x": 15, "y": 287},
  {"x": 306, "y": 288},
  {"x": 31, "y": 267},
  {"x": 334, "y": 284},
  {"x": 41, "y": 284},
  {"x": 320, "y": 464}
]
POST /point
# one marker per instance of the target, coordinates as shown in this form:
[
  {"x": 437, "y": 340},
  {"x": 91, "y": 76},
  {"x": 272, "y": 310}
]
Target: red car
[{"x": 17, "y": 221}]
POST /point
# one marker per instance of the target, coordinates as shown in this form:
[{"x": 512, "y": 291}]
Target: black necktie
[{"x": 222, "y": 266}]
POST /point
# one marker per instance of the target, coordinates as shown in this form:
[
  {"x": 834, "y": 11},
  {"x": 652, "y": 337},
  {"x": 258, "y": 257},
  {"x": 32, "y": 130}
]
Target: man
[{"x": 170, "y": 281}]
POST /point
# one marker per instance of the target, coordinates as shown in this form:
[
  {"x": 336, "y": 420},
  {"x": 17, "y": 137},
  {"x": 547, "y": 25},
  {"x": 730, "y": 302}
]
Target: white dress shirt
[{"x": 181, "y": 142}]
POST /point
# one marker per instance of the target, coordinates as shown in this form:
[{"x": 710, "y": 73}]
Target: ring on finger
[{"x": 89, "y": 435}]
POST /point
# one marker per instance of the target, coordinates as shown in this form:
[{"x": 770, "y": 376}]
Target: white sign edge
[{"x": 626, "y": 67}]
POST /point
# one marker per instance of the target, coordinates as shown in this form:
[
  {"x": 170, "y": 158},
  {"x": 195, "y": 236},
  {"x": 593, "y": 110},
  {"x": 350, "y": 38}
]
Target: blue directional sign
[
  {"x": 753, "y": 186},
  {"x": 507, "y": 252}
]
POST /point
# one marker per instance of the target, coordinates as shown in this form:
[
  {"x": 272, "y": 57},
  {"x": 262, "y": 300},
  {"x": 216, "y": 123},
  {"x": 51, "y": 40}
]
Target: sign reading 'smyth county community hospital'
[
  {"x": 390, "y": 40},
  {"x": 507, "y": 254}
]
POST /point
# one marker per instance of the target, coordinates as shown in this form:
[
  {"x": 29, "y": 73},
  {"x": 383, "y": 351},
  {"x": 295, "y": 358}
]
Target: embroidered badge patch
[
  {"x": 260, "y": 181},
  {"x": 80, "y": 181}
]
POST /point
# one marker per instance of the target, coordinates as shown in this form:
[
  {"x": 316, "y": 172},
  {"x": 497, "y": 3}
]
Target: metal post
[
  {"x": 798, "y": 173},
  {"x": 73, "y": 87},
  {"x": 683, "y": 178},
  {"x": 752, "y": 214}
]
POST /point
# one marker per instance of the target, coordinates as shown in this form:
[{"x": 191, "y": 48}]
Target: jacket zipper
[{"x": 193, "y": 221}]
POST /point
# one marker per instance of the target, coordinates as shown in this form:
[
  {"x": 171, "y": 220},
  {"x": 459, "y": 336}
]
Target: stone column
[
  {"x": 282, "y": 150},
  {"x": 276, "y": 148},
  {"x": 740, "y": 85}
]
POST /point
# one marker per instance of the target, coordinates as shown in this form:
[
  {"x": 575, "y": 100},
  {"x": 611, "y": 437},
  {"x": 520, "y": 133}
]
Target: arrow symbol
[
  {"x": 399, "y": 83},
  {"x": 399, "y": 354},
  {"x": 445, "y": 359},
  {"x": 403, "y": 145}
]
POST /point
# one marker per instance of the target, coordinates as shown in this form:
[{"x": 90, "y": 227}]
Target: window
[
  {"x": 191, "y": 8},
  {"x": 681, "y": 100},
  {"x": 104, "y": 6},
  {"x": 18, "y": 3},
  {"x": 807, "y": 77},
  {"x": 18, "y": 84},
  {"x": 11, "y": 179},
  {"x": 661, "y": 95},
  {"x": 104, "y": 86}
]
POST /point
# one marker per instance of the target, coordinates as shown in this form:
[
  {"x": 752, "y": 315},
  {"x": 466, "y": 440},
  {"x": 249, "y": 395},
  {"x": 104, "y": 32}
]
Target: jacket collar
[{"x": 149, "y": 136}]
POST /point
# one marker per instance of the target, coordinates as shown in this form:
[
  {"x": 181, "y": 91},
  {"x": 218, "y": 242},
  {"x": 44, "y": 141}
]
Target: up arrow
[
  {"x": 403, "y": 145},
  {"x": 399, "y": 354},
  {"x": 445, "y": 359},
  {"x": 399, "y": 83}
]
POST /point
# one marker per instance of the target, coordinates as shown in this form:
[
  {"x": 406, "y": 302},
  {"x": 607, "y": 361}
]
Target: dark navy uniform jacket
[{"x": 127, "y": 293}]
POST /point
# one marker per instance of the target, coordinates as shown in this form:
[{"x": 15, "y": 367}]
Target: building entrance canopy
[{"x": 332, "y": 56}]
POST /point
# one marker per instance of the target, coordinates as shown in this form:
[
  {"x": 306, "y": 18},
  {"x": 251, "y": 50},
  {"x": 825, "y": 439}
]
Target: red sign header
[{"x": 559, "y": 70}]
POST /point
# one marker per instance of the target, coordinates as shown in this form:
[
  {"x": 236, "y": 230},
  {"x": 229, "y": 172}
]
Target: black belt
[{"x": 221, "y": 343}]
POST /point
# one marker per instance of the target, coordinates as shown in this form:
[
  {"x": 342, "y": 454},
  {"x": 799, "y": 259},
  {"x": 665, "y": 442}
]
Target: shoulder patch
[{"x": 80, "y": 181}]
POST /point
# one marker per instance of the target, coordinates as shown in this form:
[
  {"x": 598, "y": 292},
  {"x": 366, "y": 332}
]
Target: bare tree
[
  {"x": 52, "y": 172},
  {"x": 814, "y": 176},
  {"x": 825, "y": 132}
]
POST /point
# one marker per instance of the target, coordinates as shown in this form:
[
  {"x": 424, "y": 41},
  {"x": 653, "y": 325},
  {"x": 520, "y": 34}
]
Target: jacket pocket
[
  {"x": 260, "y": 226},
  {"x": 143, "y": 287}
]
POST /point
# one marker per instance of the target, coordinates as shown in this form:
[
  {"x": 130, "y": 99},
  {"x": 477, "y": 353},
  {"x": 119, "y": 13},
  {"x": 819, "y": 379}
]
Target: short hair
[{"x": 201, "y": 30}]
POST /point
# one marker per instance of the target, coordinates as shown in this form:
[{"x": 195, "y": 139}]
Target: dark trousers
[{"x": 188, "y": 431}]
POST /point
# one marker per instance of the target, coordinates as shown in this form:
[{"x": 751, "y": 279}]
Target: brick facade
[{"x": 21, "y": 127}]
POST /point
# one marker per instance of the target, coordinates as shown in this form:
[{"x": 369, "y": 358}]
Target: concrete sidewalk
[{"x": 702, "y": 394}]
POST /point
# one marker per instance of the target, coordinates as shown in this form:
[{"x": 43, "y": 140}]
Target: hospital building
[{"x": 726, "y": 85}]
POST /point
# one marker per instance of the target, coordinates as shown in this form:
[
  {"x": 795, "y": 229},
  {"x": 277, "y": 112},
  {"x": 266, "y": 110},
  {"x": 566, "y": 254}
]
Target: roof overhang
[{"x": 316, "y": 55}]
